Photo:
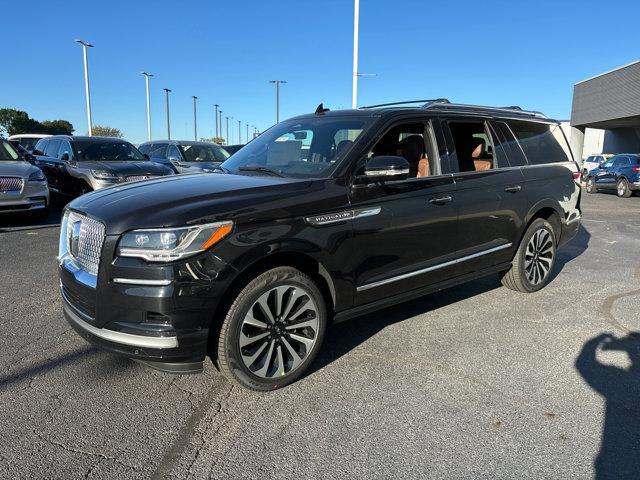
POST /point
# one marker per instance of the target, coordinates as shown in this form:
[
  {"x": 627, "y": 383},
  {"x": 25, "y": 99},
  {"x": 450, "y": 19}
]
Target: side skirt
[{"x": 417, "y": 293}]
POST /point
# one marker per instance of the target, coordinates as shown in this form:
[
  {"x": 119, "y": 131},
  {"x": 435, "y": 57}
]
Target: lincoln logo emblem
[{"x": 75, "y": 238}]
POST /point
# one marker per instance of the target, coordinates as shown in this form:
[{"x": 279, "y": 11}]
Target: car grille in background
[
  {"x": 87, "y": 248},
  {"x": 135, "y": 178},
  {"x": 11, "y": 184}
]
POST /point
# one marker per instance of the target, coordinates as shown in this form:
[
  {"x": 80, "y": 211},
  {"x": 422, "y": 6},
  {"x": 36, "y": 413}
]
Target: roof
[{"x": 434, "y": 106}]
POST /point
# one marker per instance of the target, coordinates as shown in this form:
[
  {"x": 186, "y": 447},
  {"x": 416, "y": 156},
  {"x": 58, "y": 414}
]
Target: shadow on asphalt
[
  {"x": 619, "y": 455},
  {"x": 45, "y": 366},
  {"x": 28, "y": 221},
  {"x": 344, "y": 337}
]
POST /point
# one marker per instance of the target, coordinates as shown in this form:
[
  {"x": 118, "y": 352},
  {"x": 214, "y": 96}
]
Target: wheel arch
[{"x": 549, "y": 211}]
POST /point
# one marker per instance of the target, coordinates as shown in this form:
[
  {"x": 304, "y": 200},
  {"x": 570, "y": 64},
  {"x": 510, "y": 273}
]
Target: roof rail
[
  {"x": 408, "y": 102},
  {"x": 482, "y": 108}
]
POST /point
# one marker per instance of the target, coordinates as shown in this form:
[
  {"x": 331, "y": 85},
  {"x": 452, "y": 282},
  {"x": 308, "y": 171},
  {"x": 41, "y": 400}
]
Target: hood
[
  {"x": 179, "y": 200},
  {"x": 19, "y": 168},
  {"x": 143, "y": 167}
]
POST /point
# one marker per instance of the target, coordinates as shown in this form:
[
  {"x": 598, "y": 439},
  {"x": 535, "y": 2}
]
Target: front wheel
[
  {"x": 591, "y": 185},
  {"x": 533, "y": 263},
  {"x": 273, "y": 330},
  {"x": 622, "y": 188}
]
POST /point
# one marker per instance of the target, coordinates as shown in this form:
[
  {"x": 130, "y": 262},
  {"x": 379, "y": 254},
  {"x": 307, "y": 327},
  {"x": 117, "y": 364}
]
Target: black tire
[
  {"x": 622, "y": 188},
  {"x": 232, "y": 362},
  {"x": 591, "y": 185},
  {"x": 530, "y": 277}
]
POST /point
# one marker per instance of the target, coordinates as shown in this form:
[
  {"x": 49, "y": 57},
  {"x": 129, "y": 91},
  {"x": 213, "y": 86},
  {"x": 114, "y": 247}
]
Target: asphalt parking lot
[{"x": 475, "y": 381}]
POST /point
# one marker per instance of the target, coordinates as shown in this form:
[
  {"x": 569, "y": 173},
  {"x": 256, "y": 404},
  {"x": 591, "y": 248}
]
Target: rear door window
[
  {"x": 508, "y": 152},
  {"x": 158, "y": 150},
  {"x": 541, "y": 142}
]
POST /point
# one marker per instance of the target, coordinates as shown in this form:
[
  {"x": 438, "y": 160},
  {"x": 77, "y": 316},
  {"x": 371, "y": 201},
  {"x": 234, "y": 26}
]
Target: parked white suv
[
  {"x": 593, "y": 161},
  {"x": 28, "y": 140}
]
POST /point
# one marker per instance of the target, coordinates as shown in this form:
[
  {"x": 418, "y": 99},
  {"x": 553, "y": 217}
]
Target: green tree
[
  {"x": 58, "y": 127},
  {"x": 14, "y": 121},
  {"x": 104, "y": 131}
]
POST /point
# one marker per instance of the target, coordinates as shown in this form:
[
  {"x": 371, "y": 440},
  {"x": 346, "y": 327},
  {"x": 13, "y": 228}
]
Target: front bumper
[
  {"x": 157, "y": 314},
  {"x": 33, "y": 196}
]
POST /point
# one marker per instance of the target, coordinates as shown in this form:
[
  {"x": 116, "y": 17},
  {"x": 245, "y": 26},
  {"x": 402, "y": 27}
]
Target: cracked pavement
[{"x": 474, "y": 381}]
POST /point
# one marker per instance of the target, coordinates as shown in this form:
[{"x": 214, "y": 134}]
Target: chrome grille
[
  {"x": 86, "y": 249},
  {"x": 135, "y": 178},
  {"x": 11, "y": 184}
]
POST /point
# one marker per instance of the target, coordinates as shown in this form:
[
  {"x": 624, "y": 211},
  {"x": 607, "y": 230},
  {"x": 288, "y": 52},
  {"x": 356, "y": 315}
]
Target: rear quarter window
[{"x": 541, "y": 142}]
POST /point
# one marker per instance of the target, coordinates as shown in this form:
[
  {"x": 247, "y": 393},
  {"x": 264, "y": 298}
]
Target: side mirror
[
  {"x": 65, "y": 157},
  {"x": 385, "y": 167}
]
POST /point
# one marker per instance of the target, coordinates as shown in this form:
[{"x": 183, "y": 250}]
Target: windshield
[
  {"x": 299, "y": 148},
  {"x": 105, "y": 151},
  {"x": 28, "y": 143},
  {"x": 7, "y": 152},
  {"x": 203, "y": 153}
]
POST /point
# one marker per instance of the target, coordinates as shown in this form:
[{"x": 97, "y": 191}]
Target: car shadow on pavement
[
  {"x": 26, "y": 221},
  {"x": 343, "y": 337},
  {"x": 43, "y": 367},
  {"x": 619, "y": 455},
  {"x": 576, "y": 247}
]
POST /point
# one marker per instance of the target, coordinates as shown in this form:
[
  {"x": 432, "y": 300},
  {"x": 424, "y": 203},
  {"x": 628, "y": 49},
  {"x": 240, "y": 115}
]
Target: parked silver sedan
[{"x": 23, "y": 187}]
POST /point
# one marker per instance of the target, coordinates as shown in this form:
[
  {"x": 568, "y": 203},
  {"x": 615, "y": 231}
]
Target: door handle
[
  {"x": 513, "y": 188},
  {"x": 440, "y": 200}
]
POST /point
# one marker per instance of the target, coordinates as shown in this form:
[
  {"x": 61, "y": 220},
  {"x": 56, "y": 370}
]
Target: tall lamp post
[
  {"x": 277, "y": 82},
  {"x": 239, "y": 132},
  {"x": 216, "y": 115},
  {"x": 227, "y": 135},
  {"x": 356, "y": 17},
  {"x": 86, "y": 45},
  {"x": 247, "y": 125},
  {"x": 147, "y": 75},
  {"x": 195, "y": 119},
  {"x": 166, "y": 95}
]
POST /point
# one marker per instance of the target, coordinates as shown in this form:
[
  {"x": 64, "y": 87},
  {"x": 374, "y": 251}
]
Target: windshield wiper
[{"x": 261, "y": 169}]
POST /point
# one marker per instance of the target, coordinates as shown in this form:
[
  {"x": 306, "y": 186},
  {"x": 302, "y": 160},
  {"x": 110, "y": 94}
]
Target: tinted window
[
  {"x": 203, "y": 153},
  {"x": 41, "y": 146},
  {"x": 622, "y": 162},
  {"x": 609, "y": 163},
  {"x": 158, "y": 150},
  {"x": 541, "y": 142},
  {"x": 144, "y": 148},
  {"x": 473, "y": 146},
  {"x": 65, "y": 147},
  {"x": 28, "y": 143},
  {"x": 107, "y": 151},
  {"x": 52, "y": 147},
  {"x": 508, "y": 152},
  {"x": 174, "y": 153}
]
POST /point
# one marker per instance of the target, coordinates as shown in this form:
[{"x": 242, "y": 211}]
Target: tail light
[
  {"x": 635, "y": 169},
  {"x": 576, "y": 175}
]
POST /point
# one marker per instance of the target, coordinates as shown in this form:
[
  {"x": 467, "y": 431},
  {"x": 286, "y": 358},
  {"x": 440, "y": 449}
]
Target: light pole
[
  {"x": 356, "y": 17},
  {"x": 231, "y": 139},
  {"x": 195, "y": 120},
  {"x": 277, "y": 82},
  {"x": 86, "y": 45},
  {"x": 226, "y": 140},
  {"x": 147, "y": 75},
  {"x": 216, "y": 115},
  {"x": 166, "y": 94},
  {"x": 220, "y": 115},
  {"x": 247, "y": 125},
  {"x": 239, "y": 132}
]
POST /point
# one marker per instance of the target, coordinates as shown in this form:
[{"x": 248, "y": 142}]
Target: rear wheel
[
  {"x": 622, "y": 188},
  {"x": 273, "y": 330},
  {"x": 533, "y": 263},
  {"x": 591, "y": 185}
]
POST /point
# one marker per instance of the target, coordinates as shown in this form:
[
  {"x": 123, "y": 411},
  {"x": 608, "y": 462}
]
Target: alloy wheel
[
  {"x": 538, "y": 256},
  {"x": 622, "y": 188},
  {"x": 279, "y": 331}
]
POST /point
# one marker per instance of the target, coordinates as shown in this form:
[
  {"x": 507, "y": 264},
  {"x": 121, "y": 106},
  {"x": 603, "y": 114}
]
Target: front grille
[
  {"x": 135, "y": 178},
  {"x": 79, "y": 303},
  {"x": 84, "y": 241},
  {"x": 11, "y": 184}
]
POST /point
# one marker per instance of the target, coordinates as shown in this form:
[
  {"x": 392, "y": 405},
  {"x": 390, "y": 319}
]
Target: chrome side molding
[
  {"x": 397, "y": 278},
  {"x": 138, "y": 281}
]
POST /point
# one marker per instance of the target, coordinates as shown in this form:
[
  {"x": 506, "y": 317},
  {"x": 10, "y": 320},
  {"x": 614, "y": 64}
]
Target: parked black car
[
  {"x": 77, "y": 165},
  {"x": 250, "y": 266},
  {"x": 621, "y": 172},
  {"x": 184, "y": 156},
  {"x": 233, "y": 148}
]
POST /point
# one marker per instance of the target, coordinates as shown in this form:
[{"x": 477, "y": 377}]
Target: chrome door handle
[
  {"x": 440, "y": 200},
  {"x": 513, "y": 188}
]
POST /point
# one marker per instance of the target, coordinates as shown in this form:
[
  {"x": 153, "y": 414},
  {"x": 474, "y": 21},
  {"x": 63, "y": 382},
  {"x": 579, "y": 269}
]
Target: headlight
[
  {"x": 167, "y": 244},
  {"x": 37, "y": 176},
  {"x": 104, "y": 175}
]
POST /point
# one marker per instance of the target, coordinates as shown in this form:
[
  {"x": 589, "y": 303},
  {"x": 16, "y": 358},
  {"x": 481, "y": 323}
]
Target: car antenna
[{"x": 321, "y": 110}]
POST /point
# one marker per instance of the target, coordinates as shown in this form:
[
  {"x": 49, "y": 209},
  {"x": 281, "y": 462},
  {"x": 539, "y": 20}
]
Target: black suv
[
  {"x": 322, "y": 218},
  {"x": 77, "y": 165},
  {"x": 184, "y": 156}
]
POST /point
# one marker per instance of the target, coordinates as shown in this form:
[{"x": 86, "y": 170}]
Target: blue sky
[{"x": 527, "y": 53}]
